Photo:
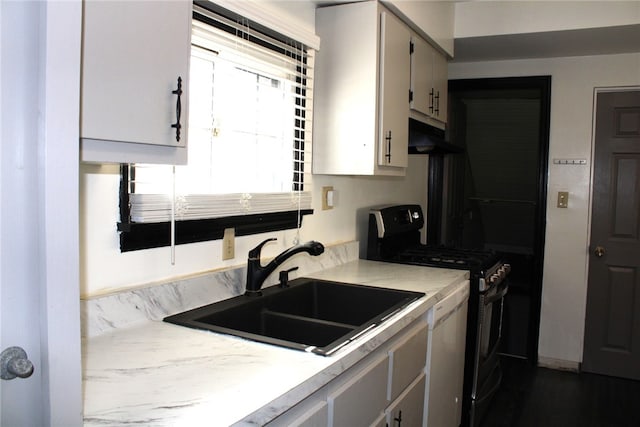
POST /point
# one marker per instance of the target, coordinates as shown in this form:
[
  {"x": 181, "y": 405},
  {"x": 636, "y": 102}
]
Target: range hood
[{"x": 427, "y": 139}]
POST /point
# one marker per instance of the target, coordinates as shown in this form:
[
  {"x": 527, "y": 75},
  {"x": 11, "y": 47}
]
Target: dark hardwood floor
[{"x": 540, "y": 397}]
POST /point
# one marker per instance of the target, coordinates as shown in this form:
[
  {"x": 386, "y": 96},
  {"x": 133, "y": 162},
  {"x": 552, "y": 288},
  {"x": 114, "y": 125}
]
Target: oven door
[{"x": 488, "y": 374}]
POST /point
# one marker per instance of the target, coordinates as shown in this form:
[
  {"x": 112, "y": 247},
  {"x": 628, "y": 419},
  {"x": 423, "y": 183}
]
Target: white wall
[
  {"x": 483, "y": 18},
  {"x": 565, "y": 266},
  {"x": 105, "y": 269}
]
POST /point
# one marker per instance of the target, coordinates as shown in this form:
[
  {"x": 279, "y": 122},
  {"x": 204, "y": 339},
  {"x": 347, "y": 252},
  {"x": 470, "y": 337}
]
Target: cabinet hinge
[{"x": 410, "y": 48}]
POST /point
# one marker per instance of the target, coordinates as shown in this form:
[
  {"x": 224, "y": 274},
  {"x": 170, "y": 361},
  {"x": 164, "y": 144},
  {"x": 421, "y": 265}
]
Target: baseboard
[{"x": 558, "y": 364}]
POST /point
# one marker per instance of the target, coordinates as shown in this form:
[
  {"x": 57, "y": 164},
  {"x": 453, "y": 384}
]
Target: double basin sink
[{"x": 312, "y": 315}]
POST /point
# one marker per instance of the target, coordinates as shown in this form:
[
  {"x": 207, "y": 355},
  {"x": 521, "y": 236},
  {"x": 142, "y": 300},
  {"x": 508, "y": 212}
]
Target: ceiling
[
  {"x": 602, "y": 40},
  {"x": 591, "y": 41}
]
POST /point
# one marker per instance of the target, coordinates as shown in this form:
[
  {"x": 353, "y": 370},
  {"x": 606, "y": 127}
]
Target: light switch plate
[
  {"x": 563, "y": 199},
  {"x": 326, "y": 203},
  {"x": 228, "y": 244}
]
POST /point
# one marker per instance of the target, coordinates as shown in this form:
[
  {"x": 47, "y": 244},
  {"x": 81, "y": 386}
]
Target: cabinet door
[
  {"x": 361, "y": 400},
  {"x": 446, "y": 370},
  {"x": 407, "y": 359},
  {"x": 395, "y": 70},
  {"x": 422, "y": 76},
  {"x": 408, "y": 409},
  {"x": 133, "y": 54},
  {"x": 440, "y": 85},
  {"x": 345, "y": 90}
]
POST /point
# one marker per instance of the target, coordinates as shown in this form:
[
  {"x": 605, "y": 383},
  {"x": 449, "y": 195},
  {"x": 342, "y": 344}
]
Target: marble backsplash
[{"x": 154, "y": 302}]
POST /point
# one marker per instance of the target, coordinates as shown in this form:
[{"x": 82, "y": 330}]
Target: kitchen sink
[{"x": 313, "y": 315}]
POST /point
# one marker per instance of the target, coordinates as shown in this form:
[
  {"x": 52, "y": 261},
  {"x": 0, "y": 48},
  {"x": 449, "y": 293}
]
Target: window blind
[{"x": 240, "y": 39}]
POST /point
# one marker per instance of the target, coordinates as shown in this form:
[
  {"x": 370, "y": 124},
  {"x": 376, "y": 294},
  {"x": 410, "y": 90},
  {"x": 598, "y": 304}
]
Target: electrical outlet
[
  {"x": 563, "y": 199},
  {"x": 228, "y": 244}
]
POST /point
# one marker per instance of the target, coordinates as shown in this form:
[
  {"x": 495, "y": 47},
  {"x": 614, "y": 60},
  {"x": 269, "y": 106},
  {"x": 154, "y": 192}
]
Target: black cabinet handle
[
  {"x": 437, "y": 102},
  {"x": 177, "y": 126},
  {"x": 431, "y": 100},
  {"x": 388, "y": 139},
  {"x": 399, "y": 419}
]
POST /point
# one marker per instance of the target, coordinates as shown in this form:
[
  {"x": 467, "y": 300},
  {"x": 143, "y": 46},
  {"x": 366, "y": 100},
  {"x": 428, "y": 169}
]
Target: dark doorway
[{"x": 494, "y": 192}]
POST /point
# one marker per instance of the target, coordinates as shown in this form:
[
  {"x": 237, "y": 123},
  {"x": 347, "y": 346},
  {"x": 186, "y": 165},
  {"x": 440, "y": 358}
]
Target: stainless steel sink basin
[{"x": 311, "y": 315}]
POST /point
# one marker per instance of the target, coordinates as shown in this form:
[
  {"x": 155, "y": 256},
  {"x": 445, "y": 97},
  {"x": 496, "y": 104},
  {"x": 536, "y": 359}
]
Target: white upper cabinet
[
  {"x": 433, "y": 20},
  {"x": 440, "y": 86},
  {"x": 361, "y": 91},
  {"x": 133, "y": 108},
  {"x": 428, "y": 82},
  {"x": 421, "y": 76},
  {"x": 395, "y": 72}
]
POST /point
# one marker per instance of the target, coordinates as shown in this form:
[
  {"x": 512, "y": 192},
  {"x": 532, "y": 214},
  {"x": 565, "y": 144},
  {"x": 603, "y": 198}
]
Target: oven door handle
[
  {"x": 503, "y": 287},
  {"x": 493, "y": 390}
]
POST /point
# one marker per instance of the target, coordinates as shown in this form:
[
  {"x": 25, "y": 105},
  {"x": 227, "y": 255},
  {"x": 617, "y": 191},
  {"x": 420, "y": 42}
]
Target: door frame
[
  {"x": 543, "y": 84},
  {"x": 46, "y": 128},
  {"x": 596, "y": 91}
]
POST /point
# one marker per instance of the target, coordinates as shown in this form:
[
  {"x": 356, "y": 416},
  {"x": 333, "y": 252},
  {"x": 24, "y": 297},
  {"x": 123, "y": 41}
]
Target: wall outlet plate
[
  {"x": 563, "y": 199},
  {"x": 326, "y": 204},
  {"x": 229, "y": 244}
]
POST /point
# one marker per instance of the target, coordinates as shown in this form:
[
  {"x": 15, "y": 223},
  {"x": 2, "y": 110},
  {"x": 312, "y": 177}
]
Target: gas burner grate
[{"x": 446, "y": 257}]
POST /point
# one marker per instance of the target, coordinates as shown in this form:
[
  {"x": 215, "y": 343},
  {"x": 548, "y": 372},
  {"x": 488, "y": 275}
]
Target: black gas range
[{"x": 394, "y": 236}]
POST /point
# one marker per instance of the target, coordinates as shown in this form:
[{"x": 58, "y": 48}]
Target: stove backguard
[{"x": 393, "y": 228}]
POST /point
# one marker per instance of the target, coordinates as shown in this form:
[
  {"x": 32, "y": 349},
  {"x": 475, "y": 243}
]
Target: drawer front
[
  {"x": 407, "y": 360},
  {"x": 381, "y": 421},
  {"x": 361, "y": 400},
  {"x": 317, "y": 416}
]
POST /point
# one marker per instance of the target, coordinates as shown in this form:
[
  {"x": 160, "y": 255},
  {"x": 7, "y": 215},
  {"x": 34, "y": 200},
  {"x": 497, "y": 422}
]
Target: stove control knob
[{"x": 507, "y": 268}]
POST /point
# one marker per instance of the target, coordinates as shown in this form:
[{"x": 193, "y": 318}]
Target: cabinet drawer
[
  {"x": 312, "y": 412},
  {"x": 407, "y": 360},
  {"x": 361, "y": 400},
  {"x": 314, "y": 417},
  {"x": 381, "y": 421}
]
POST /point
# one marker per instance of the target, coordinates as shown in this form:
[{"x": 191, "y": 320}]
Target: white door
[{"x": 39, "y": 291}]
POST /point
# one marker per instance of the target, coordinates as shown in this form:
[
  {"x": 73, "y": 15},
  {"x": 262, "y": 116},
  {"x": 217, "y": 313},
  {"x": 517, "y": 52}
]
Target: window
[{"x": 249, "y": 147}]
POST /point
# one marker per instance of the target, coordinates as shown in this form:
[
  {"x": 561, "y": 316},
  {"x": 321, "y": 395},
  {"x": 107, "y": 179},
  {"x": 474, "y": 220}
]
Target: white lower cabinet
[
  {"x": 407, "y": 410},
  {"x": 407, "y": 359},
  {"x": 316, "y": 416},
  {"x": 381, "y": 421},
  {"x": 311, "y": 412},
  {"x": 361, "y": 400},
  {"x": 386, "y": 388}
]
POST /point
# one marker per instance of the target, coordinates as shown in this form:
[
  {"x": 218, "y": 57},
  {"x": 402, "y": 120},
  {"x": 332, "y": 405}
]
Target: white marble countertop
[{"x": 160, "y": 374}]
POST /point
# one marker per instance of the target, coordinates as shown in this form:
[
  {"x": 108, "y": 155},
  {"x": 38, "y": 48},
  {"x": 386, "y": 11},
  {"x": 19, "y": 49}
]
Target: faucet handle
[
  {"x": 284, "y": 277},
  {"x": 254, "y": 254}
]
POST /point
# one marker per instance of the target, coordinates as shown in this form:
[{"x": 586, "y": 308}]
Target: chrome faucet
[{"x": 257, "y": 274}]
